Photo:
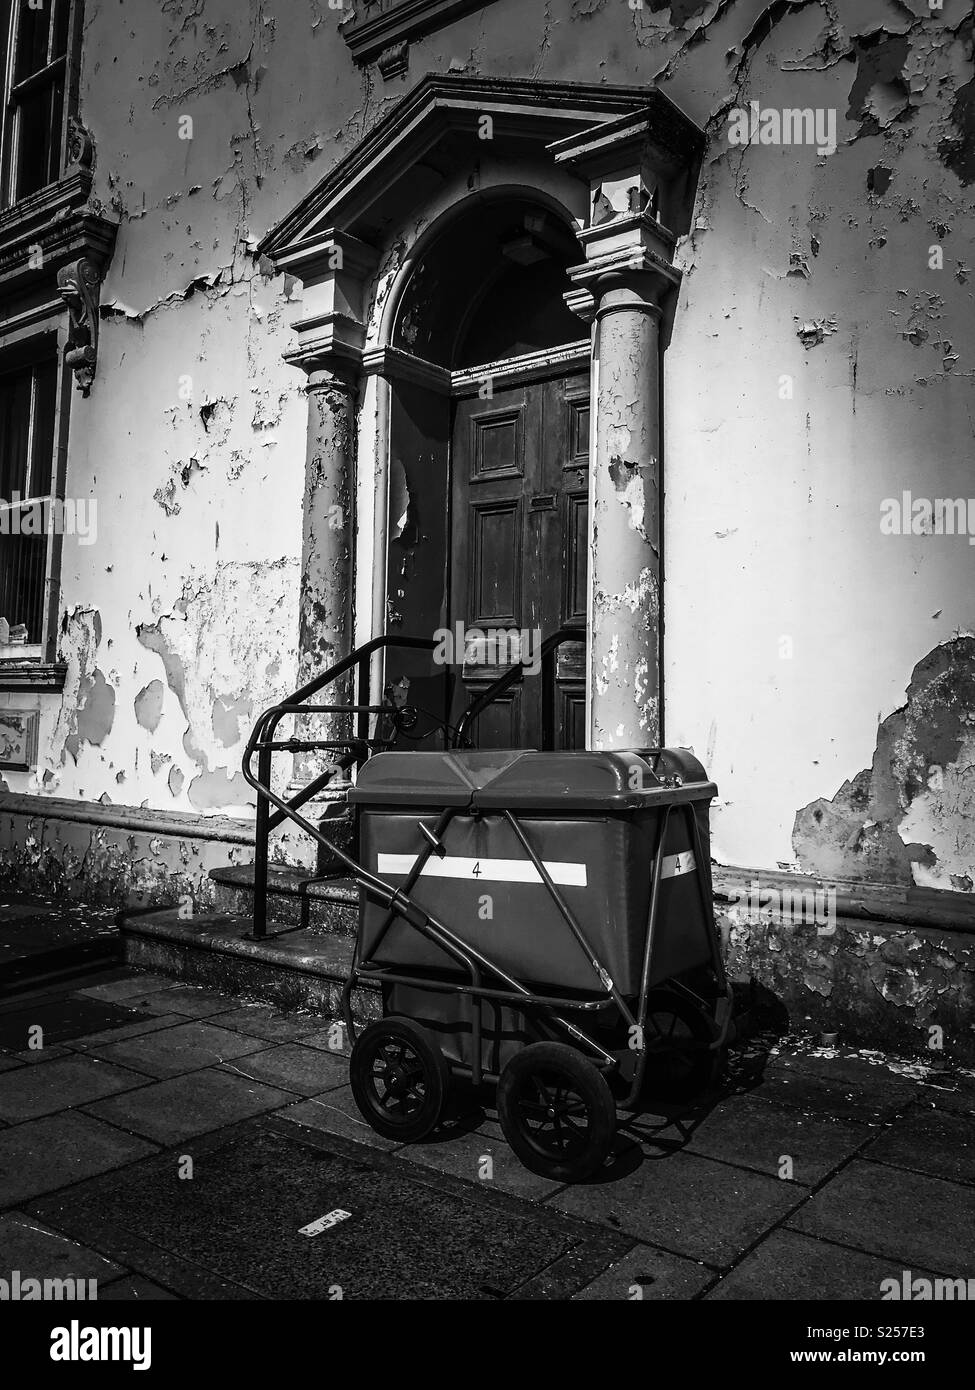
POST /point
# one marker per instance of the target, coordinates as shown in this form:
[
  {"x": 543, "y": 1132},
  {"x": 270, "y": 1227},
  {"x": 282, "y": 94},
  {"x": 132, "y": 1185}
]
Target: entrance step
[
  {"x": 298, "y": 969},
  {"x": 332, "y": 907}
]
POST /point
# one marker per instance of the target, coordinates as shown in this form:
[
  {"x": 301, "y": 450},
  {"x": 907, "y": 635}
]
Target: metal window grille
[{"x": 27, "y": 414}]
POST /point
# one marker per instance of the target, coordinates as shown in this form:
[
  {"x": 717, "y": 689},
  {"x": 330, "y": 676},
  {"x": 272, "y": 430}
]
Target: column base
[{"x": 328, "y": 812}]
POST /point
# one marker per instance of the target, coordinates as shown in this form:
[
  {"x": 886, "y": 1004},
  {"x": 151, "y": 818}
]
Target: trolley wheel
[
  {"x": 677, "y": 1066},
  {"x": 556, "y": 1111},
  {"x": 399, "y": 1078}
]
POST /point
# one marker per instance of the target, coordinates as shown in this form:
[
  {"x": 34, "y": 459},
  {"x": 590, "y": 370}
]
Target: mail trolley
[{"x": 542, "y": 923}]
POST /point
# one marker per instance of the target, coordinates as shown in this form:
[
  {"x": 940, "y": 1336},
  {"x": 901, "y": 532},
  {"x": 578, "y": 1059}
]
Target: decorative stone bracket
[{"x": 78, "y": 285}]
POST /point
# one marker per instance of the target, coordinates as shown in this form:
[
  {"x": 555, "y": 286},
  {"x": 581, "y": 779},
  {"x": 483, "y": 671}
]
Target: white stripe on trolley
[
  {"x": 485, "y": 870},
  {"x": 676, "y": 864}
]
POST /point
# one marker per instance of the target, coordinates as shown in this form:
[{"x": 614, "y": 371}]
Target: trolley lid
[
  {"x": 623, "y": 780},
  {"x": 433, "y": 778}
]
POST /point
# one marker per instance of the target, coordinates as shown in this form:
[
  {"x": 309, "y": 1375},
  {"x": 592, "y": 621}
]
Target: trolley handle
[{"x": 515, "y": 673}]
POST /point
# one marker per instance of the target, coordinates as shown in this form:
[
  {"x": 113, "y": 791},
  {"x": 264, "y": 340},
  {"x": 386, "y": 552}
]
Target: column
[
  {"x": 624, "y": 658},
  {"x": 634, "y": 174},
  {"x": 325, "y": 605}
]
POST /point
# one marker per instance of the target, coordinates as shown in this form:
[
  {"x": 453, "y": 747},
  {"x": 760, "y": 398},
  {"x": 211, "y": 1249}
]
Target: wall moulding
[{"x": 377, "y": 25}]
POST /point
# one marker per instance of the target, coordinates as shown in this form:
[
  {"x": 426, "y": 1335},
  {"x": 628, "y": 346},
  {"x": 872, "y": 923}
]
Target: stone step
[
  {"x": 332, "y": 907},
  {"x": 294, "y": 969}
]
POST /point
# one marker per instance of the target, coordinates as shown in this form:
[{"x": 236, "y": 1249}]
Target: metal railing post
[{"x": 261, "y": 846}]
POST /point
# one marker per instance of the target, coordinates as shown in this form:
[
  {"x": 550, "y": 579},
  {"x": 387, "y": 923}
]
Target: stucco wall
[{"x": 817, "y": 367}]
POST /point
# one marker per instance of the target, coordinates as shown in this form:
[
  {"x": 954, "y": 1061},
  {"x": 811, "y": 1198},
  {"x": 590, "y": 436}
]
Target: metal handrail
[
  {"x": 356, "y": 750},
  {"x": 359, "y": 746},
  {"x": 569, "y": 633}
]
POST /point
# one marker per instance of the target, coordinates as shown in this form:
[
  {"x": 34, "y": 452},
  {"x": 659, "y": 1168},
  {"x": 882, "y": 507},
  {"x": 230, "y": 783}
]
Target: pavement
[{"x": 170, "y": 1142}]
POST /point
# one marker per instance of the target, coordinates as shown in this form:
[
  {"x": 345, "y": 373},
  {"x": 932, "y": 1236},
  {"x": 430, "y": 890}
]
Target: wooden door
[{"x": 520, "y": 484}]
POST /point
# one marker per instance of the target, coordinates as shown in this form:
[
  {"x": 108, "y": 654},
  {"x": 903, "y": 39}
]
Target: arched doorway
[
  {"x": 610, "y": 171},
  {"x": 489, "y": 463}
]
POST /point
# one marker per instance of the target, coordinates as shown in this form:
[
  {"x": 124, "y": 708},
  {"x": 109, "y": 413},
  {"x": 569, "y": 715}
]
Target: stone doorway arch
[{"x": 622, "y": 162}]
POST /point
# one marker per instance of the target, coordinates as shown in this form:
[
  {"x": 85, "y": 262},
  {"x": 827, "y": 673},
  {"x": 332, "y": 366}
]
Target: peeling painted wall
[
  {"x": 834, "y": 373},
  {"x": 910, "y": 816},
  {"x": 818, "y": 365}
]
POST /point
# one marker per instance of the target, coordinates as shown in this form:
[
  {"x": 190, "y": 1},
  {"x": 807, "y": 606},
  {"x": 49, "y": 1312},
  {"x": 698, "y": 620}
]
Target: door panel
[
  {"x": 494, "y": 588},
  {"x": 520, "y": 486}
]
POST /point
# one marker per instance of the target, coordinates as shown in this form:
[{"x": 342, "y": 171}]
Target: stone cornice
[
  {"x": 396, "y": 365},
  {"x": 379, "y": 24},
  {"x": 660, "y": 130},
  {"x": 53, "y": 228},
  {"x": 46, "y": 205},
  {"x": 31, "y": 675}
]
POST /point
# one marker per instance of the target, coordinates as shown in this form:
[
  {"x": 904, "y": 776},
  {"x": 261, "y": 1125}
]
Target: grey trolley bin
[
  {"x": 550, "y": 932},
  {"x": 540, "y": 922}
]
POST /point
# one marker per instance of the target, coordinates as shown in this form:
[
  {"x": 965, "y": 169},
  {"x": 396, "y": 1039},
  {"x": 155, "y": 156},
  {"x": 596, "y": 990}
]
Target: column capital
[
  {"x": 631, "y": 252},
  {"x": 335, "y": 269},
  {"x": 333, "y": 373}
]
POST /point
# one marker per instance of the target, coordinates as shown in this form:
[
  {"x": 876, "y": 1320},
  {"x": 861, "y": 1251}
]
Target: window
[
  {"x": 28, "y": 410},
  {"x": 37, "y": 88}
]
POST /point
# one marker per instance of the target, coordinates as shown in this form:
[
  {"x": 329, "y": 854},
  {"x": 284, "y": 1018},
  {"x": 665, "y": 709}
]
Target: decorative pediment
[
  {"x": 441, "y": 125},
  {"x": 440, "y": 130}
]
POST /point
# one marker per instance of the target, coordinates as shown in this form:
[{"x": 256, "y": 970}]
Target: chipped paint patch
[
  {"x": 221, "y": 665},
  {"x": 910, "y": 818},
  {"x": 629, "y": 479},
  {"x": 149, "y": 705}
]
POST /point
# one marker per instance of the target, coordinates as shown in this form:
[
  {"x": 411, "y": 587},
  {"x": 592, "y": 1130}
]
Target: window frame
[
  {"x": 22, "y": 348},
  {"x": 15, "y": 92}
]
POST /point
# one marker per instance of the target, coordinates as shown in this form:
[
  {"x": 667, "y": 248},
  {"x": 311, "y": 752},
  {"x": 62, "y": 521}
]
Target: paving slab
[
  {"x": 146, "y": 1023},
  {"x": 335, "y": 1112},
  {"x": 31, "y": 1056},
  {"x": 59, "y": 1020},
  {"x": 40, "y": 1253},
  {"x": 832, "y": 1064},
  {"x": 187, "y": 1047},
  {"x": 791, "y": 1266},
  {"x": 325, "y": 1039},
  {"x": 927, "y": 1140},
  {"x": 955, "y": 1093},
  {"x": 8, "y": 1063},
  {"x": 184, "y": 1106},
  {"x": 193, "y": 1001},
  {"x": 480, "y": 1160},
  {"x": 129, "y": 987},
  {"x": 407, "y": 1234},
  {"x": 305, "y": 1070},
  {"x": 760, "y": 1134},
  {"x": 648, "y": 1274},
  {"x": 689, "y": 1205},
  {"x": 873, "y": 1096},
  {"x": 60, "y": 1084},
  {"x": 43, "y": 1155},
  {"x": 264, "y": 1021},
  {"x": 922, "y": 1221}
]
